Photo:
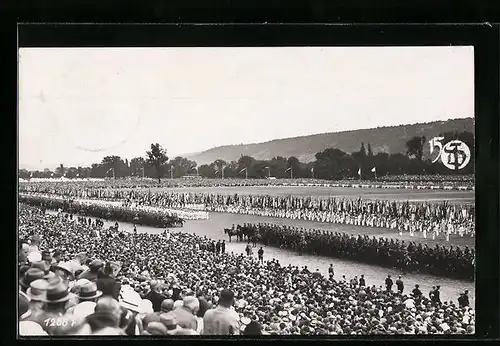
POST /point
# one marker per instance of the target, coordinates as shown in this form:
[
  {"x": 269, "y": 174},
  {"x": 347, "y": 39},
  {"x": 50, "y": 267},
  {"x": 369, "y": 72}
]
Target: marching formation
[
  {"x": 426, "y": 218},
  {"x": 171, "y": 284},
  {"x": 410, "y": 257}
]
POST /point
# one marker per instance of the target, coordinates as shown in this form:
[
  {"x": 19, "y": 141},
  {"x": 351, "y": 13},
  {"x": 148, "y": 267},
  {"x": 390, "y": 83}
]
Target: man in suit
[
  {"x": 388, "y": 283},
  {"x": 155, "y": 295}
]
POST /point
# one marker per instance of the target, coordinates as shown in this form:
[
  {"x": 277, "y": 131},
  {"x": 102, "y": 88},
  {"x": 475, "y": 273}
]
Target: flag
[
  {"x": 289, "y": 168},
  {"x": 373, "y": 170},
  {"x": 243, "y": 169},
  {"x": 359, "y": 172}
]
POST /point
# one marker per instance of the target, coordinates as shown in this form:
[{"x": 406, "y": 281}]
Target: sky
[{"x": 77, "y": 105}]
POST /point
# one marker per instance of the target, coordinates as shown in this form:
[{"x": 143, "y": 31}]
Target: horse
[
  {"x": 231, "y": 232},
  {"x": 255, "y": 239}
]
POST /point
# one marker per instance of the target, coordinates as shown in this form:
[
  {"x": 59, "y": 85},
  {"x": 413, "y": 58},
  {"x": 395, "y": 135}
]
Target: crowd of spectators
[
  {"x": 400, "y": 181},
  {"x": 73, "y": 283}
]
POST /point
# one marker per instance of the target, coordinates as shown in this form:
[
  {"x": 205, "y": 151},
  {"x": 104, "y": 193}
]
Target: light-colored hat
[
  {"x": 34, "y": 256},
  {"x": 38, "y": 290},
  {"x": 30, "y": 328},
  {"x": 84, "y": 309},
  {"x": 131, "y": 300},
  {"x": 88, "y": 291},
  {"x": 66, "y": 267},
  {"x": 146, "y": 306},
  {"x": 245, "y": 320},
  {"x": 192, "y": 303},
  {"x": 178, "y": 304}
]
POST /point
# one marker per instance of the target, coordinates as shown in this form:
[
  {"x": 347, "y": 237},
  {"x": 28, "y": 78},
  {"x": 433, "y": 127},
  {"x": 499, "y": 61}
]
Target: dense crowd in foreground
[
  {"x": 410, "y": 257},
  {"x": 169, "y": 284}
]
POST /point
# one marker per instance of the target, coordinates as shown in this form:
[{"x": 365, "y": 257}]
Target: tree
[
  {"x": 370, "y": 152},
  {"x": 136, "y": 166},
  {"x": 246, "y": 162},
  {"x": 156, "y": 157},
  {"x": 182, "y": 166},
  {"x": 60, "y": 170},
  {"x": 24, "y": 174},
  {"x": 206, "y": 171},
  {"x": 115, "y": 163},
  {"x": 294, "y": 163},
  {"x": 218, "y": 165},
  {"x": 332, "y": 164},
  {"x": 415, "y": 147},
  {"x": 362, "y": 150}
]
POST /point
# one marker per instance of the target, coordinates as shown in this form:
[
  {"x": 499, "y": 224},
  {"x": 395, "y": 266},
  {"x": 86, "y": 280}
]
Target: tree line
[{"x": 329, "y": 164}]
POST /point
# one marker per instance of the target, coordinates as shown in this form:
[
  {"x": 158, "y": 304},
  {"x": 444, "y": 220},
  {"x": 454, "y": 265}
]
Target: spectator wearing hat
[
  {"x": 185, "y": 315},
  {"x": 47, "y": 257},
  {"x": 148, "y": 318},
  {"x": 400, "y": 285},
  {"x": 100, "y": 320},
  {"x": 106, "y": 283},
  {"x": 260, "y": 253},
  {"x": 204, "y": 306},
  {"x": 24, "y": 306},
  {"x": 388, "y": 283},
  {"x": 155, "y": 328},
  {"x": 436, "y": 298},
  {"x": 168, "y": 320},
  {"x": 253, "y": 328},
  {"x": 37, "y": 295},
  {"x": 64, "y": 271},
  {"x": 167, "y": 305},
  {"x": 92, "y": 273},
  {"x": 466, "y": 298},
  {"x": 417, "y": 293},
  {"x": 431, "y": 293},
  {"x": 131, "y": 301},
  {"x": 56, "y": 258},
  {"x": 31, "y": 275},
  {"x": 56, "y": 297},
  {"x": 30, "y": 328},
  {"x": 222, "y": 320},
  {"x": 44, "y": 266},
  {"x": 362, "y": 282},
  {"x": 88, "y": 292},
  {"x": 155, "y": 295}
]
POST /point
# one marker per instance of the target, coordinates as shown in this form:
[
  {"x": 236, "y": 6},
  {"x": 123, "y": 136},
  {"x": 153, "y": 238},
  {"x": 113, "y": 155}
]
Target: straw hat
[
  {"x": 66, "y": 267},
  {"x": 38, "y": 290},
  {"x": 131, "y": 300},
  {"x": 84, "y": 309},
  {"x": 88, "y": 291},
  {"x": 30, "y": 328}
]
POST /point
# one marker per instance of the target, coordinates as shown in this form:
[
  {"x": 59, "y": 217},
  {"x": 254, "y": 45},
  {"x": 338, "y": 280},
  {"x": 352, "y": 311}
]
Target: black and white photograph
[{"x": 275, "y": 191}]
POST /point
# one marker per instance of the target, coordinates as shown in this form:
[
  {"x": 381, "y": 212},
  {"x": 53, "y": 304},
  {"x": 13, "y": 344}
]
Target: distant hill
[{"x": 391, "y": 139}]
